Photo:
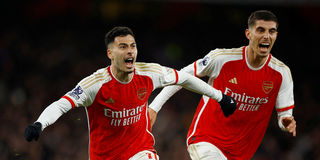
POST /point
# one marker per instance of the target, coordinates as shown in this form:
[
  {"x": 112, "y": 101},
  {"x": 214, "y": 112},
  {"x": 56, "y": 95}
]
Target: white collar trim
[
  {"x": 253, "y": 68},
  {"x": 119, "y": 80}
]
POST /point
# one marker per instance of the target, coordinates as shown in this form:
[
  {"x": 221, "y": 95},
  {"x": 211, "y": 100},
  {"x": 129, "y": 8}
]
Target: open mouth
[
  {"x": 129, "y": 62},
  {"x": 264, "y": 47}
]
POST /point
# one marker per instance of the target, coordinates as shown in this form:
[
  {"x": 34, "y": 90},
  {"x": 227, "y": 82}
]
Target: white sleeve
[
  {"x": 196, "y": 85},
  {"x": 200, "y": 68},
  {"x": 80, "y": 97},
  {"x": 163, "y": 97},
  {"x": 210, "y": 65},
  {"x": 188, "y": 82},
  {"x": 285, "y": 100},
  {"x": 85, "y": 92},
  {"x": 169, "y": 91},
  {"x": 53, "y": 112}
]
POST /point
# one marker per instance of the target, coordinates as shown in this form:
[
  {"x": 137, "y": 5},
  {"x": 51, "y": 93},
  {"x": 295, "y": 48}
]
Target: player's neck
[
  {"x": 254, "y": 59},
  {"x": 121, "y": 75}
]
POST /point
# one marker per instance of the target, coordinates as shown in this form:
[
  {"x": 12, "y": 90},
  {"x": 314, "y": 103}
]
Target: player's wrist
[
  {"x": 38, "y": 125},
  {"x": 219, "y": 96},
  {"x": 228, "y": 105},
  {"x": 281, "y": 126}
]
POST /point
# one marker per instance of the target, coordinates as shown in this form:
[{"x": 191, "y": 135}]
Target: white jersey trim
[
  {"x": 154, "y": 141},
  {"x": 253, "y": 68},
  {"x": 88, "y": 122},
  {"x": 285, "y": 96},
  {"x": 206, "y": 100},
  {"x": 118, "y": 79}
]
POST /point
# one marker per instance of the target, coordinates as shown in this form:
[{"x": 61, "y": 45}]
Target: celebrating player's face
[
  {"x": 262, "y": 37},
  {"x": 123, "y": 53}
]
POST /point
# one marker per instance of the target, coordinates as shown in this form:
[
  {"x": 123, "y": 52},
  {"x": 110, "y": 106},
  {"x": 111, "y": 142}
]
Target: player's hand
[
  {"x": 32, "y": 131},
  {"x": 228, "y": 105},
  {"x": 290, "y": 124},
  {"x": 153, "y": 116}
]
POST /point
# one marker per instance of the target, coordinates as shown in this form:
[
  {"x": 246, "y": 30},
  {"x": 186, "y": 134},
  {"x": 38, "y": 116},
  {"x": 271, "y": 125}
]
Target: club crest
[
  {"x": 267, "y": 86},
  {"x": 142, "y": 93}
]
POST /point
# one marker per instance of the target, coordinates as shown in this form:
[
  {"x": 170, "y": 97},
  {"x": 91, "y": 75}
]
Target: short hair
[
  {"x": 261, "y": 15},
  {"x": 115, "y": 32}
]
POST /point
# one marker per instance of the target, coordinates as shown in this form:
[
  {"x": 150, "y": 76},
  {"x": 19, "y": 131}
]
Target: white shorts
[
  {"x": 145, "y": 155},
  {"x": 205, "y": 151}
]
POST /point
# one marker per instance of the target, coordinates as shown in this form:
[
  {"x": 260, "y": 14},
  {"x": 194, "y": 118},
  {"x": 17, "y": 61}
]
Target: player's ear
[
  {"x": 248, "y": 35},
  {"x": 109, "y": 53}
]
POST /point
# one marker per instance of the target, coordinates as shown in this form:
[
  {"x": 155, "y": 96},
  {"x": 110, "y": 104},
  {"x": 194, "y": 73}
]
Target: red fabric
[
  {"x": 119, "y": 128},
  {"x": 70, "y": 100},
  {"x": 285, "y": 109},
  {"x": 239, "y": 135}
]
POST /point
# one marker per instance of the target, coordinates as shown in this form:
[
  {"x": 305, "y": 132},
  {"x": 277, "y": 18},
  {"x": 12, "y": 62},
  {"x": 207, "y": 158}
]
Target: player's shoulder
[
  {"x": 143, "y": 68},
  {"x": 100, "y": 76},
  {"x": 223, "y": 55},
  {"x": 226, "y": 52},
  {"x": 279, "y": 66}
]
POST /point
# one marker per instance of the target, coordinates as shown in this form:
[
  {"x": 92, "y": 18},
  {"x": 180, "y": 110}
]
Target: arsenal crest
[
  {"x": 267, "y": 86},
  {"x": 142, "y": 93}
]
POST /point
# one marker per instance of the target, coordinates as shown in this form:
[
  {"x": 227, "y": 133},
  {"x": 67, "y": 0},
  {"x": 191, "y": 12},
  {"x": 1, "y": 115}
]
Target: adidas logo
[
  {"x": 110, "y": 100},
  {"x": 233, "y": 80}
]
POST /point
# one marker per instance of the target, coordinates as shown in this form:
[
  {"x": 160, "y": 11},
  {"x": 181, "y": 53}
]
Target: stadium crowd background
[{"x": 47, "y": 46}]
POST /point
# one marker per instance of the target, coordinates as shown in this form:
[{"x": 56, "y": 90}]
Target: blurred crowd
[{"x": 47, "y": 47}]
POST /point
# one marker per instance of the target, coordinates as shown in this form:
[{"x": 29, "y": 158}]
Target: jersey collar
[{"x": 114, "y": 77}]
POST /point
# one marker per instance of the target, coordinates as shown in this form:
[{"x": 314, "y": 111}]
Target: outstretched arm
[
  {"x": 194, "y": 84},
  {"x": 47, "y": 117}
]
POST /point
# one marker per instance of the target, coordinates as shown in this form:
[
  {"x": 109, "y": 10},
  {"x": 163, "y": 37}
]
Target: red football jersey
[
  {"x": 256, "y": 90},
  {"x": 117, "y": 112}
]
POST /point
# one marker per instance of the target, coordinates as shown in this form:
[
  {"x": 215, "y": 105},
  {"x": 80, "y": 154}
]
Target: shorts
[
  {"x": 205, "y": 151},
  {"x": 145, "y": 155}
]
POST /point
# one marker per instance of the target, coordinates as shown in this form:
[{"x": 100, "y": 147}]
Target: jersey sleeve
[
  {"x": 285, "y": 99},
  {"x": 169, "y": 91},
  {"x": 85, "y": 91},
  {"x": 211, "y": 64},
  {"x": 186, "y": 81},
  {"x": 82, "y": 95},
  {"x": 202, "y": 67},
  {"x": 161, "y": 76},
  {"x": 53, "y": 112},
  {"x": 78, "y": 96}
]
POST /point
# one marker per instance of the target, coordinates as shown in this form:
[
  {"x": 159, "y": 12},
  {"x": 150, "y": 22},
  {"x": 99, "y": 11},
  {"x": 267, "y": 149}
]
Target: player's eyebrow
[
  {"x": 273, "y": 29},
  {"x": 127, "y": 43},
  {"x": 263, "y": 29},
  {"x": 123, "y": 44},
  {"x": 260, "y": 28}
]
